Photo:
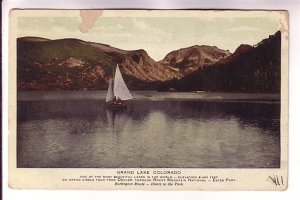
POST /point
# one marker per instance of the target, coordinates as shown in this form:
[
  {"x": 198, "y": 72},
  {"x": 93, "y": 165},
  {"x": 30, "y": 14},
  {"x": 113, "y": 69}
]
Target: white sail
[
  {"x": 110, "y": 92},
  {"x": 120, "y": 89}
]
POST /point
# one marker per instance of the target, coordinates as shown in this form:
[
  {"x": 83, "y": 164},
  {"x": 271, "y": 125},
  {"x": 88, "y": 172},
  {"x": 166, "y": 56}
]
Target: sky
[{"x": 156, "y": 32}]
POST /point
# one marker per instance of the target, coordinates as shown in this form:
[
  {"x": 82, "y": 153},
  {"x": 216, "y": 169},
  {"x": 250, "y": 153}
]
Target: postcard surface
[{"x": 148, "y": 99}]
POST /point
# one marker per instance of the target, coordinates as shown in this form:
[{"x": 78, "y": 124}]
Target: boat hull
[{"x": 116, "y": 106}]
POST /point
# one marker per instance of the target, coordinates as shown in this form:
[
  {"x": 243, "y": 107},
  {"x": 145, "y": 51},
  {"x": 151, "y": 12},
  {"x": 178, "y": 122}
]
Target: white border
[
  {"x": 294, "y": 112},
  {"x": 246, "y": 179}
]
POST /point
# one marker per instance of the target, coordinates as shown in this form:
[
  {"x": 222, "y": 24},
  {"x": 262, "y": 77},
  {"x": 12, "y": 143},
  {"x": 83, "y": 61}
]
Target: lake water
[{"x": 169, "y": 130}]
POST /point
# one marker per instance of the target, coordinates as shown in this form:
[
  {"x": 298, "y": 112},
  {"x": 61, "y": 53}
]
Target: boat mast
[
  {"x": 113, "y": 72},
  {"x": 113, "y": 79}
]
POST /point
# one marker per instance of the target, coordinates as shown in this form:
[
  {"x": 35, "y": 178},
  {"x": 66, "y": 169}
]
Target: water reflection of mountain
[
  {"x": 262, "y": 115},
  {"x": 31, "y": 110}
]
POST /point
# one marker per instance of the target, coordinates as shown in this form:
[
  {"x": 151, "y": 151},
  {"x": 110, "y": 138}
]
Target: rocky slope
[
  {"x": 190, "y": 59},
  {"x": 75, "y": 64}
]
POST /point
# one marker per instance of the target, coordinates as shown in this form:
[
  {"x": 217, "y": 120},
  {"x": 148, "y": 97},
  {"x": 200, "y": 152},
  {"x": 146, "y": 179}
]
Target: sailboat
[{"x": 117, "y": 92}]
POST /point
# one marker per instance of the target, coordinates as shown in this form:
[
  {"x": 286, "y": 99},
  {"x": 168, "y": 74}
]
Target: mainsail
[
  {"x": 110, "y": 92},
  {"x": 120, "y": 89},
  {"x": 117, "y": 88}
]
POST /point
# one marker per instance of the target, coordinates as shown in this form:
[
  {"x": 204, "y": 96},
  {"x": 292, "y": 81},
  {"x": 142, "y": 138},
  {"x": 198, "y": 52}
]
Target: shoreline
[{"x": 149, "y": 95}]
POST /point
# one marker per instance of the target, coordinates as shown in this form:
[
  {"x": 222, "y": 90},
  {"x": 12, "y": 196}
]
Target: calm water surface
[{"x": 180, "y": 131}]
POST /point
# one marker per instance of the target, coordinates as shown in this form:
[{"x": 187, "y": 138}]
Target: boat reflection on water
[{"x": 117, "y": 120}]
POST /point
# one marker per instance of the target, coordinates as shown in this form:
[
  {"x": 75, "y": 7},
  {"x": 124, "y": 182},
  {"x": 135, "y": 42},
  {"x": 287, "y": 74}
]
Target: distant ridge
[
  {"x": 33, "y": 39},
  {"x": 190, "y": 59}
]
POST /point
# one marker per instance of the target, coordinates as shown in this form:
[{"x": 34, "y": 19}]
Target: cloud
[
  {"x": 59, "y": 29},
  {"x": 109, "y": 28},
  {"x": 88, "y": 19},
  {"x": 142, "y": 26},
  {"x": 243, "y": 28}
]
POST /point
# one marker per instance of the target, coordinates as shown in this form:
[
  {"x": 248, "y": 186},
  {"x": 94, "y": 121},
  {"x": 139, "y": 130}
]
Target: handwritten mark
[{"x": 276, "y": 180}]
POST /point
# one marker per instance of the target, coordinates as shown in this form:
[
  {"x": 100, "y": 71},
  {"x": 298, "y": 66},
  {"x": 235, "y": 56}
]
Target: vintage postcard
[{"x": 148, "y": 99}]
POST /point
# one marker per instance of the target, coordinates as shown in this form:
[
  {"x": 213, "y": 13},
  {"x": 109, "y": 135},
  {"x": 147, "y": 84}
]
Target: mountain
[
  {"x": 72, "y": 64},
  {"x": 242, "y": 48},
  {"x": 190, "y": 59},
  {"x": 248, "y": 69}
]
